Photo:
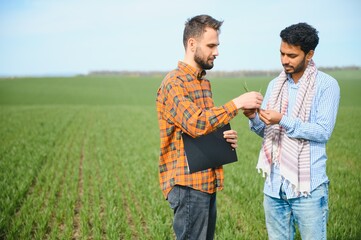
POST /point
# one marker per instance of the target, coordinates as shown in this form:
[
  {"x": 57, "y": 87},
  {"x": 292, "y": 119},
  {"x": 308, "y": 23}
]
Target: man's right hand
[
  {"x": 249, "y": 100},
  {"x": 250, "y": 113}
]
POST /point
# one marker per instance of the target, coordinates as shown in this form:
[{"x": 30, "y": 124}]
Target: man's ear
[
  {"x": 192, "y": 44},
  {"x": 310, "y": 55}
]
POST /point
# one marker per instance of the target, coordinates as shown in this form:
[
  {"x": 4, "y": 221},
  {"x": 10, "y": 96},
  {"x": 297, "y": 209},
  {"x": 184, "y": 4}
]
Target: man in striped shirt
[
  {"x": 300, "y": 108},
  {"x": 185, "y": 104}
]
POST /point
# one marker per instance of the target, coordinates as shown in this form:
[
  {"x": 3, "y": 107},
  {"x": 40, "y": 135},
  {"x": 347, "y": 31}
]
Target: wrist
[
  {"x": 238, "y": 103},
  {"x": 252, "y": 116}
]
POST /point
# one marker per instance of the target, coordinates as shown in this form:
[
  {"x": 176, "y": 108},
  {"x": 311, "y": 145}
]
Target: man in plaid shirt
[{"x": 185, "y": 104}]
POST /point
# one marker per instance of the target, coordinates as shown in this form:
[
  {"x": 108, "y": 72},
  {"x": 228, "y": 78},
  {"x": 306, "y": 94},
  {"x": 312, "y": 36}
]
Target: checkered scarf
[{"x": 291, "y": 155}]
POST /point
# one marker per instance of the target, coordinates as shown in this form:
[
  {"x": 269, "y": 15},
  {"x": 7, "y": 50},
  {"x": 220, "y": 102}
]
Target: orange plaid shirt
[{"x": 185, "y": 104}]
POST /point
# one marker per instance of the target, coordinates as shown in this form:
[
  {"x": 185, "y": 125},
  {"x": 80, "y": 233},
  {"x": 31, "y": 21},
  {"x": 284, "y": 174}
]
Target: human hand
[
  {"x": 270, "y": 117},
  {"x": 231, "y": 137},
  {"x": 250, "y": 113},
  {"x": 249, "y": 100}
]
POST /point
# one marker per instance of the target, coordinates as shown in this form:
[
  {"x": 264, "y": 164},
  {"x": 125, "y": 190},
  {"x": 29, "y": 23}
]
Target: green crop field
[{"x": 79, "y": 160}]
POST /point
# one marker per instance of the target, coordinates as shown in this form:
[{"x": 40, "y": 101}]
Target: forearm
[
  {"x": 196, "y": 121},
  {"x": 317, "y": 131},
  {"x": 256, "y": 125},
  {"x": 322, "y": 118}
]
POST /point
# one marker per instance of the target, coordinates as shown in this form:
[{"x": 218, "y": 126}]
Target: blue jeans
[
  {"x": 309, "y": 213},
  {"x": 195, "y": 213}
]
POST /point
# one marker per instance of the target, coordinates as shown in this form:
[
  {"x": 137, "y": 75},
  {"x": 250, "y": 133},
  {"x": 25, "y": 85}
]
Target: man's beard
[
  {"x": 299, "y": 68},
  {"x": 203, "y": 64}
]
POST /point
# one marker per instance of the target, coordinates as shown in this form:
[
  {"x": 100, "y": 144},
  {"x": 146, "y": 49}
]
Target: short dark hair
[
  {"x": 195, "y": 27},
  {"x": 301, "y": 34}
]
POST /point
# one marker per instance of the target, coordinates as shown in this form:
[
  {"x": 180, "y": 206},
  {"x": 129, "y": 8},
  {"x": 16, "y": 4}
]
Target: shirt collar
[
  {"x": 290, "y": 80},
  {"x": 188, "y": 69}
]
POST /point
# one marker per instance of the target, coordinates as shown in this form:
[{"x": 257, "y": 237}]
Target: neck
[
  {"x": 296, "y": 76},
  {"x": 189, "y": 59}
]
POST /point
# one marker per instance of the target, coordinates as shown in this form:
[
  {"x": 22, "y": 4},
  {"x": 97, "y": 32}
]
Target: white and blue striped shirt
[{"x": 318, "y": 130}]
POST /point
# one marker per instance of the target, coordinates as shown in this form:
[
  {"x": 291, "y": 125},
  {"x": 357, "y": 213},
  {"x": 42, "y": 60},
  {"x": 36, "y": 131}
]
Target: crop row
[{"x": 95, "y": 177}]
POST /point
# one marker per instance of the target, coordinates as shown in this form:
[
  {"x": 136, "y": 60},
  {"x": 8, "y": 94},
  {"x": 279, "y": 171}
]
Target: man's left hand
[
  {"x": 270, "y": 117},
  {"x": 231, "y": 137}
]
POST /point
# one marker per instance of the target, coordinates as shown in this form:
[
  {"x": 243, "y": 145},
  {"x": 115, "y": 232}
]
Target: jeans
[
  {"x": 309, "y": 213},
  {"x": 195, "y": 213}
]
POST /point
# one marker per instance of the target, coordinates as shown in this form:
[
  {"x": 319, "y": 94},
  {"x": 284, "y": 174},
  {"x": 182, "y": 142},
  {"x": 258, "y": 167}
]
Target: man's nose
[
  {"x": 285, "y": 60},
  {"x": 215, "y": 52}
]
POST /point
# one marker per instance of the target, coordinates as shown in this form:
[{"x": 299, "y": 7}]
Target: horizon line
[{"x": 158, "y": 72}]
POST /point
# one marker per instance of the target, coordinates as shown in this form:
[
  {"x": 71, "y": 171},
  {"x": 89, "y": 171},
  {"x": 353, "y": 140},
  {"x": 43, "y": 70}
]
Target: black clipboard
[{"x": 208, "y": 151}]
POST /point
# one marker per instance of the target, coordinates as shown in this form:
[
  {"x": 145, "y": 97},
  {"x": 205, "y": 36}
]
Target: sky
[{"x": 49, "y": 37}]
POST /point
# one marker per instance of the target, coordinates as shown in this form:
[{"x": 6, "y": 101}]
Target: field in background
[{"x": 79, "y": 160}]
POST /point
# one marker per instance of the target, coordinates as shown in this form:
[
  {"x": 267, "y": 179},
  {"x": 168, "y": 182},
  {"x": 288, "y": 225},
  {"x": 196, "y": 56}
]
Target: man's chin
[
  {"x": 208, "y": 67},
  {"x": 211, "y": 65},
  {"x": 288, "y": 70}
]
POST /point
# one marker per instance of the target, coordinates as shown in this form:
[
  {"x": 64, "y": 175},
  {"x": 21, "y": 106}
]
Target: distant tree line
[{"x": 240, "y": 73}]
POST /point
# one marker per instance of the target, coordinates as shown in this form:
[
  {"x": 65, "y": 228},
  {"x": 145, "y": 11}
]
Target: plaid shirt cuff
[{"x": 231, "y": 109}]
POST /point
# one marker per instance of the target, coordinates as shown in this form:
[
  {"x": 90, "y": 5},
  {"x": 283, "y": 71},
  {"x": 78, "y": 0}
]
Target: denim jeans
[
  {"x": 309, "y": 213},
  {"x": 195, "y": 213}
]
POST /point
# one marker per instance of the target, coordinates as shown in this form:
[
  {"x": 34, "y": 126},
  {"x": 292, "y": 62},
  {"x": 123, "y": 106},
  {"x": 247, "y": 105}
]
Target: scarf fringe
[{"x": 268, "y": 181}]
